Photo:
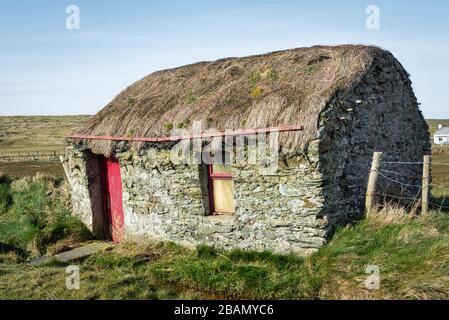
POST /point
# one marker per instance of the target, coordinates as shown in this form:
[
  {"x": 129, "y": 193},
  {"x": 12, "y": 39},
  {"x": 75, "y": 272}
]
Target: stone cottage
[{"x": 324, "y": 111}]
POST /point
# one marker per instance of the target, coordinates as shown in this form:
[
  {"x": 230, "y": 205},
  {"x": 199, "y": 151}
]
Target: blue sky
[{"x": 47, "y": 69}]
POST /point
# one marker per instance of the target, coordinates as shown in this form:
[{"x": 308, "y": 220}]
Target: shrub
[
  {"x": 204, "y": 251},
  {"x": 230, "y": 101}
]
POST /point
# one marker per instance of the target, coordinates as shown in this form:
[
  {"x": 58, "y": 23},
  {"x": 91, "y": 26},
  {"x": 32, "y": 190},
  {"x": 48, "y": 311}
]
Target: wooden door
[{"x": 112, "y": 199}]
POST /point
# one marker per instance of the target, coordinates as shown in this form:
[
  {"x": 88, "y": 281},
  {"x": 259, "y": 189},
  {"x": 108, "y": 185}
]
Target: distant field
[
  {"x": 36, "y": 133},
  {"x": 30, "y": 168}
]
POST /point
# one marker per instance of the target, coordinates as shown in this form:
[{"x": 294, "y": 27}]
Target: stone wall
[
  {"x": 162, "y": 201},
  {"x": 380, "y": 114},
  {"x": 275, "y": 211},
  {"x": 75, "y": 160},
  {"x": 83, "y": 173}
]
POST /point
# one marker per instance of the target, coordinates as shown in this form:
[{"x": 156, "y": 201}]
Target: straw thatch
[{"x": 280, "y": 88}]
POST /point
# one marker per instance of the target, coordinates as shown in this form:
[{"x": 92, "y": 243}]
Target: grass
[
  {"x": 412, "y": 254},
  {"x": 35, "y": 217},
  {"x": 31, "y": 168},
  {"x": 191, "y": 98},
  {"x": 36, "y": 133},
  {"x": 440, "y": 177}
]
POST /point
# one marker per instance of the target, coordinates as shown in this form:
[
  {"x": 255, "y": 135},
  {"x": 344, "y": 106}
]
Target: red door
[{"x": 112, "y": 199}]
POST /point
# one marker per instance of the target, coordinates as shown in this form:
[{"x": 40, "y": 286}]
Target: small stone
[{"x": 288, "y": 190}]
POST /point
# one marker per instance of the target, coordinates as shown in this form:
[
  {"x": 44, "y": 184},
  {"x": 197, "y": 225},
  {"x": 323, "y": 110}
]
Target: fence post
[
  {"x": 425, "y": 185},
  {"x": 372, "y": 182}
]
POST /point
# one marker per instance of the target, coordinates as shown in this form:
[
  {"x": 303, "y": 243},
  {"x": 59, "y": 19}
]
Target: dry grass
[
  {"x": 30, "y": 134},
  {"x": 275, "y": 89},
  {"x": 36, "y": 133},
  {"x": 391, "y": 213},
  {"x": 30, "y": 168}
]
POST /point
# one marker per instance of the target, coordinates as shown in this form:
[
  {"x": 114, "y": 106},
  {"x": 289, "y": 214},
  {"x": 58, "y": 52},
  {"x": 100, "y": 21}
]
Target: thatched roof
[{"x": 288, "y": 87}]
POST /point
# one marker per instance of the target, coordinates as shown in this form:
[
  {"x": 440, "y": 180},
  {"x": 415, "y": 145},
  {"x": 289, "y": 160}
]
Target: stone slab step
[{"x": 74, "y": 254}]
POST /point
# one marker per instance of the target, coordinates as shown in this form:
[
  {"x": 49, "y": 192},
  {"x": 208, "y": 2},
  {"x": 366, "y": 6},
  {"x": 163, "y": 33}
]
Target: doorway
[{"x": 111, "y": 190}]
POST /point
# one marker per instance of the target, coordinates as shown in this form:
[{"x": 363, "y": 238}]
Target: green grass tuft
[
  {"x": 168, "y": 127},
  {"x": 36, "y": 216},
  {"x": 131, "y": 101},
  {"x": 191, "y": 98},
  {"x": 5, "y": 197}
]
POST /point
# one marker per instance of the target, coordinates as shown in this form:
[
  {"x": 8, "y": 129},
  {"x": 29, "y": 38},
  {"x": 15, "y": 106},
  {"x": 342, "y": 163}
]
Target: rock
[{"x": 288, "y": 191}]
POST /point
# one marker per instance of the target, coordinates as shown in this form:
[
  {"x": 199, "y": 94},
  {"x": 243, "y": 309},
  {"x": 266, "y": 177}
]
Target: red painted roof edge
[{"x": 190, "y": 136}]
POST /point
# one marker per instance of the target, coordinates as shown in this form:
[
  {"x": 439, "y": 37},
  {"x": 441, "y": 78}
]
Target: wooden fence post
[
  {"x": 425, "y": 185},
  {"x": 372, "y": 182}
]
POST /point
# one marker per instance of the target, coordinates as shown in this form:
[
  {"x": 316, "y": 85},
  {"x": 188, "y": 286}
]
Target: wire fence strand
[
  {"x": 399, "y": 182},
  {"x": 394, "y": 177},
  {"x": 440, "y": 164},
  {"x": 399, "y": 162}
]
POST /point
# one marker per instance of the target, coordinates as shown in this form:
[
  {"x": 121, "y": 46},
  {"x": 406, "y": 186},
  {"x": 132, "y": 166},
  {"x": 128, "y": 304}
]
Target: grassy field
[
  {"x": 36, "y": 133},
  {"x": 31, "y": 168},
  {"x": 411, "y": 254}
]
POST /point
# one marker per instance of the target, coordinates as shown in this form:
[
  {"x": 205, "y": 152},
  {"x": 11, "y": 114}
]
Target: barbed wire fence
[{"x": 392, "y": 182}]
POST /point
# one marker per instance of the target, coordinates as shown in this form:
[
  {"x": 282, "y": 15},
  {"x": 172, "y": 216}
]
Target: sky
[{"x": 49, "y": 69}]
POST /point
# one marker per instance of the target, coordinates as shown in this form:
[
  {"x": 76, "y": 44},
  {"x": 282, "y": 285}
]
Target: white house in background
[{"x": 441, "y": 135}]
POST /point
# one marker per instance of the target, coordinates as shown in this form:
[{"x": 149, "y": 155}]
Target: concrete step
[{"x": 74, "y": 254}]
